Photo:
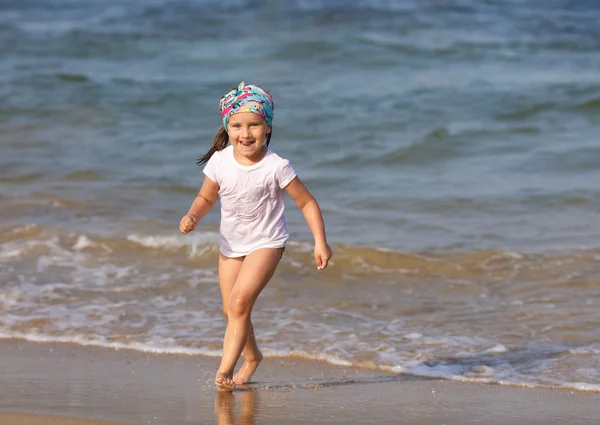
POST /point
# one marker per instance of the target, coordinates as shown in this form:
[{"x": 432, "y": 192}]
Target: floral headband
[{"x": 247, "y": 99}]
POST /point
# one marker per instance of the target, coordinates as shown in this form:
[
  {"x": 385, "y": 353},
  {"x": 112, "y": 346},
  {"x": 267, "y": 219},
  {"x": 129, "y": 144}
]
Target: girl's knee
[{"x": 238, "y": 307}]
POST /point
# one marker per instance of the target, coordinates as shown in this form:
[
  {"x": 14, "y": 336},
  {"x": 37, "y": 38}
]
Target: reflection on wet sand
[{"x": 225, "y": 408}]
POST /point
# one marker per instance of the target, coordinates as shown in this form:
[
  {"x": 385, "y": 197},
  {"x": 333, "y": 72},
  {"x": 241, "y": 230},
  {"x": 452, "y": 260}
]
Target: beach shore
[{"x": 50, "y": 383}]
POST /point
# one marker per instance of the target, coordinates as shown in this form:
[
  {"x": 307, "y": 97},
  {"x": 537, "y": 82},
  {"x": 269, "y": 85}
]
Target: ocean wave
[
  {"x": 432, "y": 148},
  {"x": 592, "y": 105},
  {"x": 502, "y": 374},
  {"x": 55, "y": 245}
]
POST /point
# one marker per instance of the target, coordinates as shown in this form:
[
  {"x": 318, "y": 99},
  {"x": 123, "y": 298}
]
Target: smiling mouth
[{"x": 247, "y": 144}]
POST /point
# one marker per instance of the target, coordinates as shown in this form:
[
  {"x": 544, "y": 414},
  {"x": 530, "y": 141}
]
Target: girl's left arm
[{"x": 312, "y": 214}]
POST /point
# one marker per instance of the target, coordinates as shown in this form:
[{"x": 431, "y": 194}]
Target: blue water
[{"x": 456, "y": 124}]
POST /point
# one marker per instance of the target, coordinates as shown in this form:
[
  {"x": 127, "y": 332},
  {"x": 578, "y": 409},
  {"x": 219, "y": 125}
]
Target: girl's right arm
[{"x": 209, "y": 192}]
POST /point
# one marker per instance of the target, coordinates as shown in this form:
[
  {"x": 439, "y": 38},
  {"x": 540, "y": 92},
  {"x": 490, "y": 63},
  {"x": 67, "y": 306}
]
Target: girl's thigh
[
  {"x": 256, "y": 270},
  {"x": 229, "y": 269}
]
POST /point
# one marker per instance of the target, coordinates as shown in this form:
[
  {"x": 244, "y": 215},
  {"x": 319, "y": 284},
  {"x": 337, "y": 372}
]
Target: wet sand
[{"x": 48, "y": 383}]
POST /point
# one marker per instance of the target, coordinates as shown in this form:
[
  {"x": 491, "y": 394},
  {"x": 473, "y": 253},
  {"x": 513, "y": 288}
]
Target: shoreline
[{"x": 59, "y": 383}]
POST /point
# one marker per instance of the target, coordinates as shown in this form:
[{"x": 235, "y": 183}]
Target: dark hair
[{"x": 220, "y": 142}]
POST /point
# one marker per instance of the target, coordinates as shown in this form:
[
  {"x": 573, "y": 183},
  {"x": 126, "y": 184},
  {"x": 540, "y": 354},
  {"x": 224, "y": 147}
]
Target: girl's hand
[
  {"x": 322, "y": 255},
  {"x": 187, "y": 224}
]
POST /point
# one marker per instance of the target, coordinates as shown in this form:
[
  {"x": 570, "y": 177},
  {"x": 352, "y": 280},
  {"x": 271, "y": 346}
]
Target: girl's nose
[{"x": 245, "y": 132}]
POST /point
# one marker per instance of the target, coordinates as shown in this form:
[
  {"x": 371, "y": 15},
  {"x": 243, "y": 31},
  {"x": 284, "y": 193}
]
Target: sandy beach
[{"x": 48, "y": 383}]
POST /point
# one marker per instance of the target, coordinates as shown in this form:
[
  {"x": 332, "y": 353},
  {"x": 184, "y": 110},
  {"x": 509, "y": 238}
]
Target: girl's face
[{"x": 247, "y": 133}]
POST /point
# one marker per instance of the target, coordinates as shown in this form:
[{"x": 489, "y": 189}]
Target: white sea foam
[
  {"x": 588, "y": 350},
  {"x": 8, "y": 252},
  {"x": 8, "y": 299},
  {"x": 22, "y": 229},
  {"x": 499, "y": 348},
  {"x": 197, "y": 244},
  {"x": 82, "y": 243},
  {"x": 413, "y": 336},
  {"x": 583, "y": 386},
  {"x": 16, "y": 249},
  {"x": 96, "y": 341}
]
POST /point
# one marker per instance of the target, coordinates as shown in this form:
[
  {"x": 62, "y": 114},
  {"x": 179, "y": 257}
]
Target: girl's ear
[{"x": 268, "y": 129}]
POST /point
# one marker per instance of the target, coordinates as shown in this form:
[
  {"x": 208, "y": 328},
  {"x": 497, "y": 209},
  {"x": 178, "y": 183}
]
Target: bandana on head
[{"x": 247, "y": 99}]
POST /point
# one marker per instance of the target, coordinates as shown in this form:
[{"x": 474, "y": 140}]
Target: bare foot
[
  {"x": 224, "y": 382},
  {"x": 247, "y": 370}
]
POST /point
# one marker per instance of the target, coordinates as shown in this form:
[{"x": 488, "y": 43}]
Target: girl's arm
[
  {"x": 312, "y": 214},
  {"x": 206, "y": 198}
]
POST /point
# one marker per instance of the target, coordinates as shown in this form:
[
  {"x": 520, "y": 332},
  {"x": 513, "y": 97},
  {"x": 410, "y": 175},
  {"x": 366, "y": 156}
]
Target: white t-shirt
[{"x": 251, "y": 201}]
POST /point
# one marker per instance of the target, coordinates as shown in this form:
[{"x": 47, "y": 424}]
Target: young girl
[{"x": 250, "y": 180}]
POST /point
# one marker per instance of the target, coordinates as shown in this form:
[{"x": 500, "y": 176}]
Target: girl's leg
[
  {"x": 252, "y": 358},
  {"x": 229, "y": 269},
  {"x": 255, "y": 272}
]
